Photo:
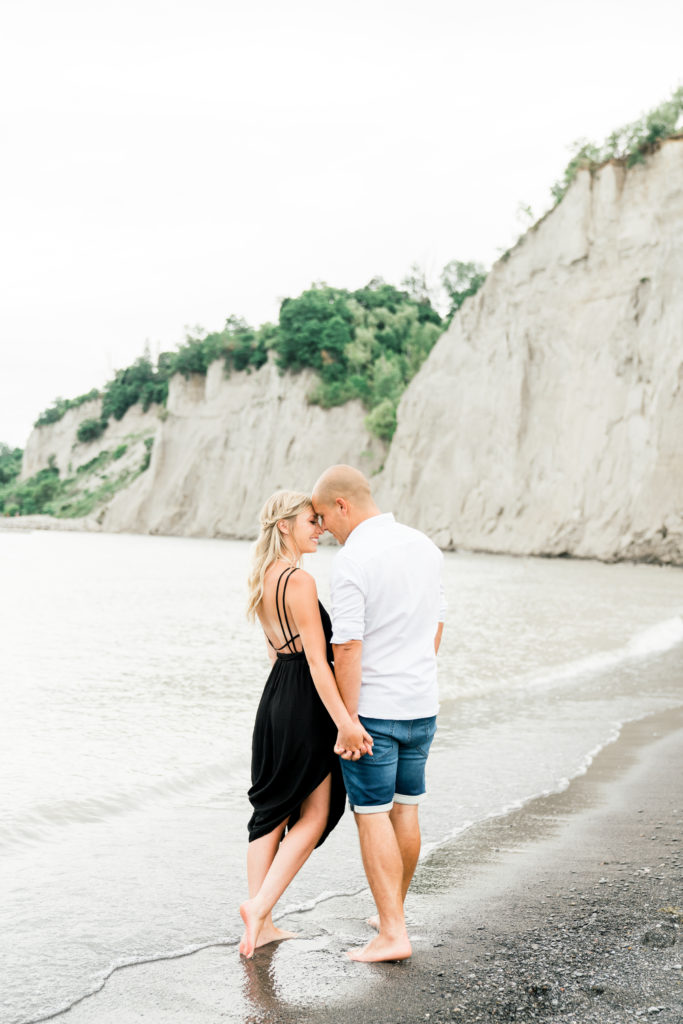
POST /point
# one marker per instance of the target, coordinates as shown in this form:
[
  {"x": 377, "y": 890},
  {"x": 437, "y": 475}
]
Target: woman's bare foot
[
  {"x": 381, "y": 948},
  {"x": 373, "y": 922},
  {"x": 269, "y": 933},
  {"x": 253, "y": 923},
  {"x": 259, "y": 930}
]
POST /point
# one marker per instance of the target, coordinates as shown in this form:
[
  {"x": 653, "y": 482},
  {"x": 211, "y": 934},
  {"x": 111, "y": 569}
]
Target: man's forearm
[{"x": 347, "y": 672}]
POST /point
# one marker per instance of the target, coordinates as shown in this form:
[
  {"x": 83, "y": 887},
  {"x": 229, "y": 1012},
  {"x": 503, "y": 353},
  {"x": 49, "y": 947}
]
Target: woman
[{"x": 297, "y": 790}]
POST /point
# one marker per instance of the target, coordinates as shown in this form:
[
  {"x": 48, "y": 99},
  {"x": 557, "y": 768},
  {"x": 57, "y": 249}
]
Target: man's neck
[{"x": 360, "y": 515}]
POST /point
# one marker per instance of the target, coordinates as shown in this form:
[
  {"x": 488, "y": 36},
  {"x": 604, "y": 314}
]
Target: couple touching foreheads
[{"x": 350, "y": 705}]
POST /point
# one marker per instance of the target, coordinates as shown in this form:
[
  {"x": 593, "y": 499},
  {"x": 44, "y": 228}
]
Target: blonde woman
[{"x": 297, "y": 791}]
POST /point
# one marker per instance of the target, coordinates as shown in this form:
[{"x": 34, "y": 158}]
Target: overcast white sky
[{"x": 170, "y": 162}]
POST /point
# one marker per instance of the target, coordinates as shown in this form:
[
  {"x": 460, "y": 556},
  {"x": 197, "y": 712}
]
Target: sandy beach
[{"x": 569, "y": 908}]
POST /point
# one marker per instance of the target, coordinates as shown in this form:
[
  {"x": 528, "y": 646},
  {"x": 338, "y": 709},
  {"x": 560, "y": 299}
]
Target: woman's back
[{"x": 275, "y": 613}]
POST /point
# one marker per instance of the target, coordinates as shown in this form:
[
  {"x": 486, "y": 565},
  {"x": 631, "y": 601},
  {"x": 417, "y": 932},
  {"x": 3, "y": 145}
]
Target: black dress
[{"x": 293, "y": 743}]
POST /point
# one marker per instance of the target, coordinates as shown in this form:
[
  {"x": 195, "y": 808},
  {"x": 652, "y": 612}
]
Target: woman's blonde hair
[{"x": 270, "y": 544}]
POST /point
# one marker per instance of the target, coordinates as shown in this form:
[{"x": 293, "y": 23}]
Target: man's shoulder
[
  {"x": 415, "y": 536},
  {"x": 387, "y": 533},
  {"x": 344, "y": 564}
]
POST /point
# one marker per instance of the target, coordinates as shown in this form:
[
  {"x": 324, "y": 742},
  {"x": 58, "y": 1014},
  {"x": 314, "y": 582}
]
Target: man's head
[{"x": 342, "y": 498}]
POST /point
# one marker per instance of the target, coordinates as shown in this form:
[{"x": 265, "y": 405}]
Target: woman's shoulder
[
  {"x": 301, "y": 582},
  {"x": 296, "y": 579}
]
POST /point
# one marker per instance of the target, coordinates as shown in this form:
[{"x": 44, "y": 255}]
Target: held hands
[{"x": 353, "y": 741}]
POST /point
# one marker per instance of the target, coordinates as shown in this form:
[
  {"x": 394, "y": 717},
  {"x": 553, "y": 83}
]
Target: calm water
[{"x": 129, "y": 679}]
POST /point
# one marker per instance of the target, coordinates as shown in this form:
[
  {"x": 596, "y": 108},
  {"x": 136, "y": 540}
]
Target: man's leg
[
  {"x": 371, "y": 784},
  {"x": 406, "y": 825},
  {"x": 414, "y": 739},
  {"x": 384, "y": 870}
]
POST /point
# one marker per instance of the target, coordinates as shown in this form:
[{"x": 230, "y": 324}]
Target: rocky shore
[
  {"x": 567, "y": 910},
  {"x": 591, "y": 935}
]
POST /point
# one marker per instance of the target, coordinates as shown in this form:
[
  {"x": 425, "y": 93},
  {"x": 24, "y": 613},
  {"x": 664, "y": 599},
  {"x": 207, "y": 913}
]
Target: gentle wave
[
  {"x": 516, "y": 805},
  {"x": 179, "y": 954},
  {"x": 45, "y": 822},
  {"x": 657, "y": 639},
  {"x": 102, "y": 980}
]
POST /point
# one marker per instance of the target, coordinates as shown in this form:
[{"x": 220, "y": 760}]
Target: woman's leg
[
  {"x": 293, "y": 852},
  {"x": 260, "y": 855}
]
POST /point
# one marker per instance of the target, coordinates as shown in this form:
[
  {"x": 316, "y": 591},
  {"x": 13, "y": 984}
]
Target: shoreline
[
  {"x": 569, "y": 908},
  {"x": 50, "y": 523},
  {"x": 89, "y": 524}
]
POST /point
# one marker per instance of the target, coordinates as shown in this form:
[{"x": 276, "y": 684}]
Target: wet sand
[{"x": 569, "y": 909}]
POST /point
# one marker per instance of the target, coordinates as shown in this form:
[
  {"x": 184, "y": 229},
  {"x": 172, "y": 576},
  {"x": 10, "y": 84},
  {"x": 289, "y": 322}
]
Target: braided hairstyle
[{"x": 270, "y": 544}]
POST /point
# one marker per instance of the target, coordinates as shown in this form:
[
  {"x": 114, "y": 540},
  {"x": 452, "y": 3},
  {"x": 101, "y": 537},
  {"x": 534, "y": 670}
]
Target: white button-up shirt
[{"x": 386, "y": 592}]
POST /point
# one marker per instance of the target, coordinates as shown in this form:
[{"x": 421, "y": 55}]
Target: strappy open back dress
[{"x": 294, "y": 736}]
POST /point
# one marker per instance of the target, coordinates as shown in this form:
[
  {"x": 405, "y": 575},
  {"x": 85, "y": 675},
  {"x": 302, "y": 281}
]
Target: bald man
[{"x": 387, "y": 620}]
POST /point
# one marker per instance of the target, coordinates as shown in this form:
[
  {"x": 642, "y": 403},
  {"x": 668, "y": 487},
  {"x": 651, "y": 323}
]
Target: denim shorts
[{"x": 396, "y": 771}]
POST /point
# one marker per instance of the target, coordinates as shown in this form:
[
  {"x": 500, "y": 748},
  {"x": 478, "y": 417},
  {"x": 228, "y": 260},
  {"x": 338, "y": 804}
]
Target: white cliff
[
  {"x": 58, "y": 442},
  {"x": 218, "y": 449},
  {"x": 225, "y": 444},
  {"x": 549, "y": 418}
]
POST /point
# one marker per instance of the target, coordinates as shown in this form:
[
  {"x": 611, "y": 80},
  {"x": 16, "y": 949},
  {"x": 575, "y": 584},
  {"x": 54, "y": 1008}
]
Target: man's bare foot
[
  {"x": 380, "y": 949},
  {"x": 373, "y": 922}
]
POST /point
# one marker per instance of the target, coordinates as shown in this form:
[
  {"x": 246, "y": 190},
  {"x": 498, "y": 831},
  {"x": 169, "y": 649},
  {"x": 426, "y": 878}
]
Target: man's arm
[
  {"x": 347, "y": 671},
  {"x": 348, "y": 627},
  {"x": 437, "y": 638}
]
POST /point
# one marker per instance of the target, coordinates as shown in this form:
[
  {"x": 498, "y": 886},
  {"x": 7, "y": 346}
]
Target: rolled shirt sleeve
[{"x": 348, "y": 601}]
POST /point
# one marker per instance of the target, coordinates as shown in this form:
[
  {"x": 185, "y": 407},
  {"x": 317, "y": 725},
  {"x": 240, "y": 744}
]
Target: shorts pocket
[{"x": 427, "y": 733}]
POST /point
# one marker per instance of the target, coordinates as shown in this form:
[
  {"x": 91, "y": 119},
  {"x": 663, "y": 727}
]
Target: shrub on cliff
[
  {"x": 90, "y": 430},
  {"x": 92, "y": 484},
  {"x": 630, "y": 144},
  {"x": 10, "y": 463},
  {"x": 30, "y": 496},
  {"x": 240, "y": 346},
  {"x": 460, "y": 280},
  {"x": 61, "y": 405}
]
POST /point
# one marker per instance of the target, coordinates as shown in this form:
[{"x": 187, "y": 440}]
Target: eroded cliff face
[
  {"x": 220, "y": 447},
  {"x": 58, "y": 441},
  {"x": 549, "y": 418},
  {"x": 226, "y": 444}
]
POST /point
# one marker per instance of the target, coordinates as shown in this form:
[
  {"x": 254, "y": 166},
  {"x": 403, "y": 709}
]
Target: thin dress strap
[{"x": 289, "y": 641}]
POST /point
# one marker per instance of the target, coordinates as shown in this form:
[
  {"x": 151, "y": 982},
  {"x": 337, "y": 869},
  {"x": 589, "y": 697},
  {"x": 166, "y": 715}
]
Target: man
[{"x": 386, "y": 628}]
